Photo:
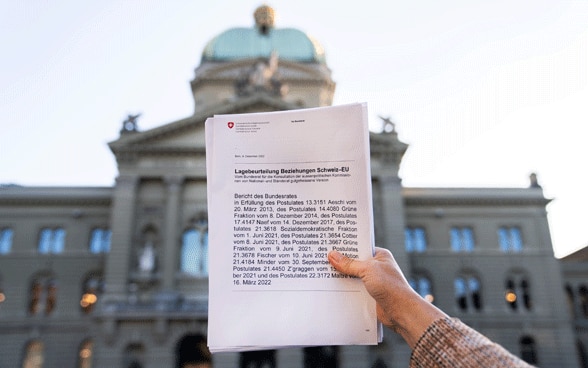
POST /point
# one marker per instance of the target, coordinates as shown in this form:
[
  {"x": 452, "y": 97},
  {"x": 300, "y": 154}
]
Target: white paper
[{"x": 284, "y": 188}]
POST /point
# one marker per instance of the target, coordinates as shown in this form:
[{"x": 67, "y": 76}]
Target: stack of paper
[{"x": 285, "y": 188}]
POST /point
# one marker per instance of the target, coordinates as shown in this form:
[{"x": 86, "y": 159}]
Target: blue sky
[{"x": 483, "y": 92}]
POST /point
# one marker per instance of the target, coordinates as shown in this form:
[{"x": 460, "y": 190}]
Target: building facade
[
  {"x": 575, "y": 271},
  {"x": 117, "y": 276}
]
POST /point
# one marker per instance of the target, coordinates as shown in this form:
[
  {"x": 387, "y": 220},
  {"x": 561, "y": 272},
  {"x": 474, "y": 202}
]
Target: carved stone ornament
[{"x": 261, "y": 77}]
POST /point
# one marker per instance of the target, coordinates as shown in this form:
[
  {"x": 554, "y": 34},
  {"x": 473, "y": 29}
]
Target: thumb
[{"x": 344, "y": 264}]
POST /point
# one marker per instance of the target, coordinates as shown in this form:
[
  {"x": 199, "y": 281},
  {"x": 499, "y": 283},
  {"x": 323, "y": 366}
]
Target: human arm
[
  {"x": 399, "y": 307},
  {"x": 436, "y": 339}
]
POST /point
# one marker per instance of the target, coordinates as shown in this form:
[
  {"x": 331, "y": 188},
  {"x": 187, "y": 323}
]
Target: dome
[{"x": 263, "y": 39}]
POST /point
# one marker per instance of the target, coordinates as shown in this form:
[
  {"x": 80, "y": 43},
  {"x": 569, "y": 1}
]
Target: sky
[{"x": 484, "y": 92}]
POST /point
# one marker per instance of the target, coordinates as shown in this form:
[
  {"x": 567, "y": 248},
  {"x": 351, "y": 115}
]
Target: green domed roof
[{"x": 261, "y": 41}]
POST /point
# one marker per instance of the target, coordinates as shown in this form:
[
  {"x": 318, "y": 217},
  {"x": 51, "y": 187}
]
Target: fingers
[
  {"x": 356, "y": 268},
  {"x": 383, "y": 253},
  {"x": 344, "y": 264}
]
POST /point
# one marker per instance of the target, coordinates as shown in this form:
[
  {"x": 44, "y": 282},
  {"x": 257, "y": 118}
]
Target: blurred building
[
  {"x": 575, "y": 267},
  {"x": 117, "y": 276}
]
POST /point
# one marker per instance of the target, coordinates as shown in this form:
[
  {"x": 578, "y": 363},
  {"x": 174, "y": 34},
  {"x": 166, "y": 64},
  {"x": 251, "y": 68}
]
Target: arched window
[
  {"x": 570, "y": 300},
  {"x": 526, "y": 293},
  {"x": 528, "y": 349},
  {"x": 194, "y": 252},
  {"x": 422, "y": 285},
  {"x": 85, "y": 354},
  {"x": 321, "y": 357},
  {"x": 100, "y": 240},
  {"x": 468, "y": 293},
  {"x": 415, "y": 239},
  {"x": 34, "y": 355},
  {"x": 192, "y": 352},
  {"x": 258, "y": 359},
  {"x": 379, "y": 363},
  {"x": 511, "y": 295},
  {"x": 518, "y": 292},
  {"x": 582, "y": 355},
  {"x": 462, "y": 239},
  {"x": 134, "y": 356},
  {"x": 42, "y": 295},
  {"x": 51, "y": 240},
  {"x": 92, "y": 288}
]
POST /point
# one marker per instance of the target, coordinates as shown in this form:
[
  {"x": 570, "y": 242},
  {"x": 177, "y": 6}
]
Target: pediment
[{"x": 187, "y": 135}]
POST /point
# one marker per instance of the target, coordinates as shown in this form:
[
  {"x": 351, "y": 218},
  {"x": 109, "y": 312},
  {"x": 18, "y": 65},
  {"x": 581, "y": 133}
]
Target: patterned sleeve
[{"x": 450, "y": 343}]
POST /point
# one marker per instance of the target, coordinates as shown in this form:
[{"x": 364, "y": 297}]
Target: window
[
  {"x": 51, "y": 240},
  {"x": 578, "y": 303},
  {"x": 379, "y": 363},
  {"x": 462, "y": 239},
  {"x": 582, "y": 355},
  {"x": 422, "y": 285},
  {"x": 510, "y": 239},
  {"x": 518, "y": 293},
  {"x": 321, "y": 357},
  {"x": 583, "y": 296},
  {"x": 258, "y": 359},
  {"x": 5, "y": 240},
  {"x": 43, "y": 295},
  {"x": 415, "y": 239},
  {"x": 528, "y": 349},
  {"x": 100, "y": 240},
  {"x": 92, "y": 288},
  {"x": 570, "y": 300},
  {"x": 468, "y": 295},
  {"x": 192, "y": 352},
  {"x": 33, "y": 356},
  {"x": 194, "y": 254},
  {"x": 85, "y": 354},
  {"x": 133, "y": 356}
]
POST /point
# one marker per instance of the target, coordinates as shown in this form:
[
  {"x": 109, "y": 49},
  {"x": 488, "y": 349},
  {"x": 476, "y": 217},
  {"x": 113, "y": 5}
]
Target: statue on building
[
  {"x": 146, "y": 259},
  {"x": 263, "y": 72},
  {"x": 147, "y": 253},
  {"x": 262, "y": 77},
  {"x": 387, "y": 125},
  {"x": 534, "y": 181},
  {"x": 130, "y": 123}
]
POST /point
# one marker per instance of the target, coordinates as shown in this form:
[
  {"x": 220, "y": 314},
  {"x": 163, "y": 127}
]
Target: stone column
[
  {"x": 122, "y": 225},
  {"x": 171, "y": 235},
  {"x": 393, "y": 220},
  {"x": 386, "y": 153}
]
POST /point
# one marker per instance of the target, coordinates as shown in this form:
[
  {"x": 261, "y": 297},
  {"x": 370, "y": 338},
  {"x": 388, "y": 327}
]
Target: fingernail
[{"x": 336, "y": 256}]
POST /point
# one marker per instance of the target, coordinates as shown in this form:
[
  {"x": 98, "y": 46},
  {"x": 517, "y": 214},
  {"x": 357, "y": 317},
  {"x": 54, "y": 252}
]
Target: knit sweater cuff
[{"x": 448, "y": 342}]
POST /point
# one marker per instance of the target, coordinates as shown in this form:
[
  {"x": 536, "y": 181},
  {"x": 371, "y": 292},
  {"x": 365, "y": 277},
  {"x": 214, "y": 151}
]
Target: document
[{"x": 284, "y": 189}]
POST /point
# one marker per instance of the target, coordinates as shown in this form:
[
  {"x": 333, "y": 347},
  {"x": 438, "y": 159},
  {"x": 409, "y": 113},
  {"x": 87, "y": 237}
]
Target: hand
[{"x": 399, "y": 307}]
